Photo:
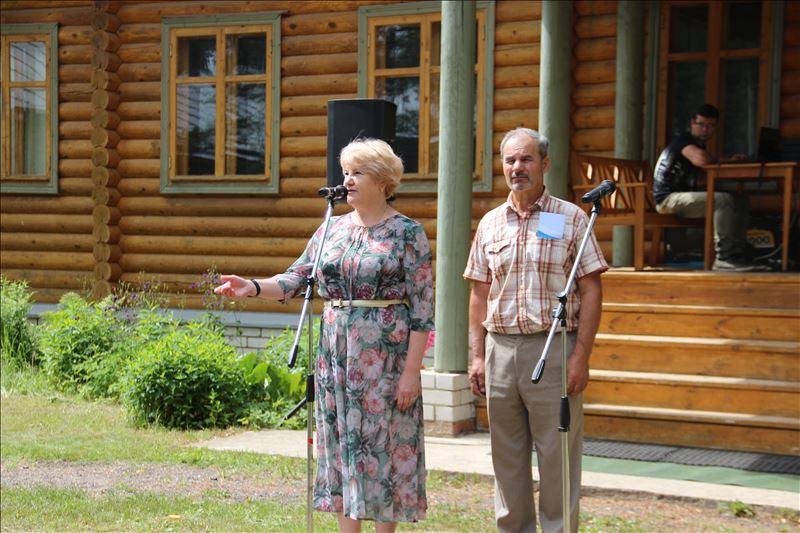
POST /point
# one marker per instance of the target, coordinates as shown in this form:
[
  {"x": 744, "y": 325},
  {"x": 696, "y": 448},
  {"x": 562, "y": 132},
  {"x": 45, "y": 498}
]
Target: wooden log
[
  {"x": 103, "y": 214},
  {"x": 105, "y": 21},
  {"x": 140, "y": 129},
  {"x": 140, "y": 33},
  {"x": 106, "y": 253},
  {"x": 195, "y": 264},
  {"x": 517, "y": 32},
  {"x": 597, "y": 49},
  {"x": 105, "y": 177},
  {"x": 516, "y": 54},
  {"x": 75, "y": 149},
  {"x": 596, "y": 94},
  {"x": 101, "y": 289},
  {"x": 105, "y": 233},
  {"x": 303, "y": 166},
  {"x": 140, "y": 52},
  {"x": 516, "y": 76},
  {"x": 302, "y": 187},
  {"x": 139, "y": 110},
  {"x": 77, "y": 111},
  {"x": 790, "y": 106},
  {"x": 319, "y": 64},
  {"x": 75, "y": 186},
  {"x": 789, "y": 59},
  {"x": 104, "y": 138},
  {"x": 75, "y": 92},
  {"x": 323, "y": 84},
  {"x": 518, "y": 10},
  {"x": 107, "y": 271},
  {"x": 72, "y": 35},
  {"x": 515, "y": 118},
  {"x": 140, "y": 72},
  {"x": 312, "y": 104},
  {"x": 135, "y": 186},
  {"x": 140, "y": 91},
  {"x": 303, "y": 126},
  {"x": 47, "y": 242},
  {"x": 593, "y": 72},
  {"x": 42, "y": 222},
  {"x": 215, "y": 245},
  {"x": 36, "y": 259},
  {"x": 103, "y": 79},
  {"x": 161, "y": 206},
  {"x": 75, "y": 73},
  {"x": 66, "y": 280},
  {"x": 106, "y": 61},
  {"x": 319, "y": 23},
  {"x": 68, "y": 16},
  {"x": 105, "y": 157},
  {"x": 102, "y": 99},
  {"x": 596, "y": 26},
  {"x": 220, "y": 226},
  {"x": 74, "y": 130},
  {"x": 105, "y": 196},
  {"x": 790, "y": 128},
  {"x": 593, "y": 117},
  {"x": 103, "y": 118},
  {"x": 64, "y": 205},
  {"x": 106, "y": 41},
  {"x": 139, "y": 168},
  {"x": 515, "y": 98},
  {"x": 304, "y": 146},
  {"x": 74, "y": 168},
  {"x": 334, "y": 43},
  {"x": 595, "y": 7},
  {"x": 75, "y": 54},
  {"x": 593, "y": 140},
  {"x": 790, "y": 82},
  {"x": 139, "y": 149}
]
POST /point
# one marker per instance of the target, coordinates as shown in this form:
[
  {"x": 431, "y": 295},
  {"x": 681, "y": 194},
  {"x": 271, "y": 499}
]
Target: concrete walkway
[{"x": 471, "y": 454}]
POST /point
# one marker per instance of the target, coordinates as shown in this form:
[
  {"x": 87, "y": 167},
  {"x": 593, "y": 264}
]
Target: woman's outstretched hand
[{"x": 235, "y": 287}]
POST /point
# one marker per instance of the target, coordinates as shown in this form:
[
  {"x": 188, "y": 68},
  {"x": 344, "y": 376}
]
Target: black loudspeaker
[{"x": 351, "y": 119}]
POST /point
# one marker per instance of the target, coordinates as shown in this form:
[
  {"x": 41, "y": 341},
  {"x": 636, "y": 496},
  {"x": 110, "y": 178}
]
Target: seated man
[{"x": 674, "y": 190}]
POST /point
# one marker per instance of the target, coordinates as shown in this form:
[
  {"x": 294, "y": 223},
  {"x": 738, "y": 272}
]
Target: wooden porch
[{"x": 700, "y": 359}]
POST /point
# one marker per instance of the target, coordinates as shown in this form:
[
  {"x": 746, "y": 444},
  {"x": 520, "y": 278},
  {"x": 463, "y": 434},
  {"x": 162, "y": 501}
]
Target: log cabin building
[{"x": 155, "y": 140}]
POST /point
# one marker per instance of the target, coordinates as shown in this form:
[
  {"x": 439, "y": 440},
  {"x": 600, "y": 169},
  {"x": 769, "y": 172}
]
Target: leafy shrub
[
  {"x": 75, "y": 340},
  {"x": 17, "y": 334},
  {"x": 188, "y": 379}
]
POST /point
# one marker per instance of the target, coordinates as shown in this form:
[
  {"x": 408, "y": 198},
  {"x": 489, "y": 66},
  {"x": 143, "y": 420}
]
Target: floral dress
[{"x": 370, "y": 456}]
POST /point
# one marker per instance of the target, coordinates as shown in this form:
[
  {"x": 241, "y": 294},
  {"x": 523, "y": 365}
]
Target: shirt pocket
[
  {"x": 551, "y": 257},
  {"x": 500, "y": 255}
]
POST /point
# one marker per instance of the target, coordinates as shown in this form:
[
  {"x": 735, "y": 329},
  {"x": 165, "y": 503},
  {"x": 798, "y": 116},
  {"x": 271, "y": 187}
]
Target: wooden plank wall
[
  {"x": 48, "y": 240},
  {"x": 790, "y": 72}
]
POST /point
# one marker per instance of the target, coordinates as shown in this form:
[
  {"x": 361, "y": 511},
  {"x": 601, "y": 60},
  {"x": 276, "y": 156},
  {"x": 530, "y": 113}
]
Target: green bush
[
  {"x": 17, "y": 334},
  {"x": 76, "y": 338},
  {"x": 188, "y": 379}
]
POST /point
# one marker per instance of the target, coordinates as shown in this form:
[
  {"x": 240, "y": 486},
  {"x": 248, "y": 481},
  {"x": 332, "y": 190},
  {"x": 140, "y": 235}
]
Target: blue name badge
[{"x": 551, "y": 226}]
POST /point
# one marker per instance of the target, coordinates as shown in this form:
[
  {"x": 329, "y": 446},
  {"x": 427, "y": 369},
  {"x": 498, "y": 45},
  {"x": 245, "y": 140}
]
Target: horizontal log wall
[{"x": 48, "y": 240}]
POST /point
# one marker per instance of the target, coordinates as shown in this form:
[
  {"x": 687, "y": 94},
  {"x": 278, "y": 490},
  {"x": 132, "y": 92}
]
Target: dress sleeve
[
  {"x": 293, "y": 281},
  {"x": 417, "y": 263}
]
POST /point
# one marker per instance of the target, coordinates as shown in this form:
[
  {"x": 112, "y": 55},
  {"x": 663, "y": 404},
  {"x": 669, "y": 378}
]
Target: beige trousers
[{"x": 524, "y": 417}]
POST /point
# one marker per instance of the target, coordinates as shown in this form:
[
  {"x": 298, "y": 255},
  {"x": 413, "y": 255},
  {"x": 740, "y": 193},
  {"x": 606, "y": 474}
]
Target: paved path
[{"x": 470, "y": 454}]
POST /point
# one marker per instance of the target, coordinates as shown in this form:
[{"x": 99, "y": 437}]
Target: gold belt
[{"x": 341, "y": 302}]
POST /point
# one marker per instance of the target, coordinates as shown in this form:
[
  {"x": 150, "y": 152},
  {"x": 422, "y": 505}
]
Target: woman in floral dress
[{"x": 375, "y": 275}]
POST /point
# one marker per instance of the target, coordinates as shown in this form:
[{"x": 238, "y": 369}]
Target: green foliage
[
  {"x": 76, "y": 338},
  {"x": 18, "y": 343},
  {"x": 187, "y": 379},
  {"x": 738, "y": 509}
]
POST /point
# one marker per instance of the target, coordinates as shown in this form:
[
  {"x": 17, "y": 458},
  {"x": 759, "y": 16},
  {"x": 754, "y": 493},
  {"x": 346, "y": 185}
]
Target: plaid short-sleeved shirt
[{"x": 526, "y": 272}]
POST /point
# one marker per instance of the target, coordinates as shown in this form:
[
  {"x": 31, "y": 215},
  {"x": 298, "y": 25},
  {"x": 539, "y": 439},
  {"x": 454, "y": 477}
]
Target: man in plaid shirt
[{"x": 521, "y": 258}]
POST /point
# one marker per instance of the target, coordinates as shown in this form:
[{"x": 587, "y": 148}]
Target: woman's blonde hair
[{"x": 376, "y": 158}]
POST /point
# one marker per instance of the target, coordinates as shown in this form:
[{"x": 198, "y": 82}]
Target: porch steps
[{"x": 699, "y": 359}]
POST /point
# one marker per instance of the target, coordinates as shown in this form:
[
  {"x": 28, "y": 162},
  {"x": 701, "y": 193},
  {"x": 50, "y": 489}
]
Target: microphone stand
[
  {"x": 308, "y": 401},
  {"x": 560, "y": 320}
]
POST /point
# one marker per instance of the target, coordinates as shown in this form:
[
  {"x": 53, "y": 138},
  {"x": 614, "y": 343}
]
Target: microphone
[
  {"x": 340, "y": 191},
  {"x": 605, "y": 188}
]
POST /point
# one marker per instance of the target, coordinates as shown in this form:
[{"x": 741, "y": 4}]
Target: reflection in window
[
  {"x": 742, "y": 25},
  {"x": 245, "y": 122},
  {"x": 397, "y": 46},
  {"x": 28, "y": 61},
  {"x": 197, "y": 56},
  {"x": 687, "y": 89},
  {"x": 28, "y": 132},
  {"x": 741, "y": 105},
  {"x": 195, "y": 129},
  {"x": 246, "y": 54},
  {"x": 404, "y": 93},
  {"x": 688, "y": 29}
]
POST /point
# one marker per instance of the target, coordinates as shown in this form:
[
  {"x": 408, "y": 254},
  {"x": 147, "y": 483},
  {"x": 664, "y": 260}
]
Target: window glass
[
  {"x": 741, "y": 104},
  {"x": 197, "y": 56},
  {"x": 245, "y": 123},
  {"x": 742, "y": 25},
  {"x": 688, "y": 29},
  {"x": 397, "y": 46},
  {"x": 28, "y": 61},
  {"x": 28, "y": 132},
  {"x": 687, "y": 89},
  {"x": 404, "y": 92},
  {"x": 246, "y": 54},
  {"x": 195, "y": 134}
]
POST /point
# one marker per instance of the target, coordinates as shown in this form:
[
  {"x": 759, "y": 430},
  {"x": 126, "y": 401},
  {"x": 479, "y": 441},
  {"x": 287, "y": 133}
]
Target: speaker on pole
[{"x": 352, "y": 119}]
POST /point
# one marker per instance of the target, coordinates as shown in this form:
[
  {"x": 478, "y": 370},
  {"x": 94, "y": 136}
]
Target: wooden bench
[{"x": 631, "y": 204}]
